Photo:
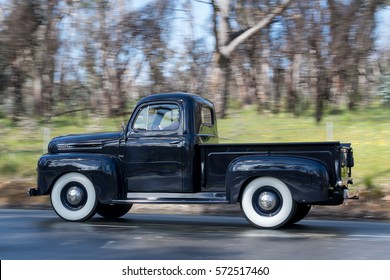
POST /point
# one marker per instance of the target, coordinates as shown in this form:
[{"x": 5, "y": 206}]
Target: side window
[
  {"x": 141, "y": 123},
  {"x": 158, "y": 117},
  {"x": 207, "y": 116}
]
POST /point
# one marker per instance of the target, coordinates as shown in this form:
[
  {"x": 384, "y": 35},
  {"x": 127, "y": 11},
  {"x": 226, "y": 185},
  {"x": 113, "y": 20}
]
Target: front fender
[
  {"x": 307, "y": 179},
  {"x": 103, "y": 171}
]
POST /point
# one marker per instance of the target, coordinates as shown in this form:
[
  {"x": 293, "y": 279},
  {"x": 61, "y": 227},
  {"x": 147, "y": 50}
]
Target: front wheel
[
  {"x": 267, "y": 203},
  {"x": 73, "y": 197}
]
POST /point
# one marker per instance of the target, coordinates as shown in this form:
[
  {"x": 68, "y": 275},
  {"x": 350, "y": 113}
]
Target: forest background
[{"x": 276, "y": 71}]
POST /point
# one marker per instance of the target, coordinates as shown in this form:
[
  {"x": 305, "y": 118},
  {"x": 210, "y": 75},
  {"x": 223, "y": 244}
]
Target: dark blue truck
[{"x": 169, "y": 153}]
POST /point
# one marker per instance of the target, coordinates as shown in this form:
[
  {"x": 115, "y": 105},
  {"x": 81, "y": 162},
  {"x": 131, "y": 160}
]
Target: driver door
[{"x": 154, "y": 150}]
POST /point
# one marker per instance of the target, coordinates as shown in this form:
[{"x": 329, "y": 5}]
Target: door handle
[{"x": 176, "y": 142}]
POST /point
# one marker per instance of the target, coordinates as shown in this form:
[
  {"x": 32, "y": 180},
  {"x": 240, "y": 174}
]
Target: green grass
[{"x": 368, "y": 131}]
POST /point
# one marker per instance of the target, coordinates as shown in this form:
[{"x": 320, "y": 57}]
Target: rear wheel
[
  {"x": 267, "y": 203},
  {"x": 301, "y": 211},
  {"x": 73, "y": 197},
  {"x": 113, "y": 211}
]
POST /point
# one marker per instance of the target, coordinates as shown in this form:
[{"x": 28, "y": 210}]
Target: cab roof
[{"x": 177, "y": 96}]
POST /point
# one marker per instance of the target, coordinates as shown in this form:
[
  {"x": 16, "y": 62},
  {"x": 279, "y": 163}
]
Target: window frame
[
  {"x": 148, "y": 126},
  {"x": 211, "y": 116}
]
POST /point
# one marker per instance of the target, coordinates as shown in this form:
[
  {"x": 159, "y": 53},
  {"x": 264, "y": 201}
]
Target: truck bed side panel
[
  {"x": 215, "y": 159},
  {"x": 307, "y": 179}
]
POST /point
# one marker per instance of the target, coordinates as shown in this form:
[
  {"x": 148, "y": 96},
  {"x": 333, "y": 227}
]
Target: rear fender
[
  {"x": 307, "y": 179},
  {"x": 102, "y": 170}
]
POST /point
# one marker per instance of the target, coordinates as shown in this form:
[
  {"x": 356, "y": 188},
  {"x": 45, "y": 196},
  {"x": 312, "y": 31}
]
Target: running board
[{"x": 173, "y": 198}]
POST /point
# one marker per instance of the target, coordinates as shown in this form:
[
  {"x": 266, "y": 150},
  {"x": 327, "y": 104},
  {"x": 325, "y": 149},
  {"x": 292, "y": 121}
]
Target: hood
[{"x": 83, "y": 142}]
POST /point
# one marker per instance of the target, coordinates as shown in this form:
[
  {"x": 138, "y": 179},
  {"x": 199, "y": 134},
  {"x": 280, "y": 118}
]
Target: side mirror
[{"x": 123, "y": 126}]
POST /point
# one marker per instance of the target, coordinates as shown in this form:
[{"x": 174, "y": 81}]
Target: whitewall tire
[
  {"x": 73, "y": 197},
  {"x": 267, "y": 203}
]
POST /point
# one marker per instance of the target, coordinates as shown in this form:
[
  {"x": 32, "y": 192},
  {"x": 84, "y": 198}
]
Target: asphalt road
[{"x": 40, "y": 234}]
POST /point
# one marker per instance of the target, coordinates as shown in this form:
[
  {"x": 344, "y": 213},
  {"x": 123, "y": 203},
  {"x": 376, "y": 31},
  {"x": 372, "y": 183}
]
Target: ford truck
[{"x": 169, "y": 153}]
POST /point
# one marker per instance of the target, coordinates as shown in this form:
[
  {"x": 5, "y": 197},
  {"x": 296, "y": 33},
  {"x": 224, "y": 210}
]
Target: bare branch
[{"x": 228, "y": 49}]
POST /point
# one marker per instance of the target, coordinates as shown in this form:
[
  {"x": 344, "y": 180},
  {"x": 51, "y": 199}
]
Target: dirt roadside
[{"x": 370, "y": 206}]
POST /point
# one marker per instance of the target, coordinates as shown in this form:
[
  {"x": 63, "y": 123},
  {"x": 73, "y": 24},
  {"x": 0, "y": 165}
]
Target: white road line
[
  {"x": 280, "y": 234},
  {"x": 110, "y": 226},
  {"x": 108, "y": 244},
  {"x": 369, "y": 236}
]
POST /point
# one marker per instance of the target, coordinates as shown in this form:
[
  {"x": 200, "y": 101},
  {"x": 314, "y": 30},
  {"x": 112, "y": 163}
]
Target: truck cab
[{"x": 160, "y": 141}]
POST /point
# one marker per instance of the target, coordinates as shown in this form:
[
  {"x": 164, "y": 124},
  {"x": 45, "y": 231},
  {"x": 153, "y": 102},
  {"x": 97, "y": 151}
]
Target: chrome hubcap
[
  {"x": 74, "y": 195},
  {"x": 267, "y": 201}
]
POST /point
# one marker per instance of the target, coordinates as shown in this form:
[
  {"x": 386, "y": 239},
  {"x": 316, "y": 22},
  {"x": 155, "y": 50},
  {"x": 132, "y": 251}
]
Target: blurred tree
[
  {"x": 107, "y": 48},
  {"x": 154, "y": 27},
  {"x": 226, "y": 42},
  {"x": 30, "y": 40},
  {"x": 18, "y": 39},
  {"x": 118, "y": 44},
  {"x": 352, "y": 25},
  {"x": 330, "y": 61},
  {"x": 384, "y": 82},
  {"x": 64, "y": 55},
  {"x": 44, "y": 52},
  {"x": 254, "y": 54},
  {"x": 188, "y": 53}
]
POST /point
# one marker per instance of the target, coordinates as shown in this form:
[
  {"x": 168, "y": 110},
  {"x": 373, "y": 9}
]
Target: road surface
[{"x": 40, "y": 234}]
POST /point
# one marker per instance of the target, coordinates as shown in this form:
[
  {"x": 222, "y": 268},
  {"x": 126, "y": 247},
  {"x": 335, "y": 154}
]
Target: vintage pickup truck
[{"x": 169, "y": 153}]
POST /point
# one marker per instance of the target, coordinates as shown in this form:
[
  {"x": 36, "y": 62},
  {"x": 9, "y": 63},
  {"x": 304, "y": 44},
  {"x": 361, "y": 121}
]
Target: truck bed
[{"x": 215, "y": 158}]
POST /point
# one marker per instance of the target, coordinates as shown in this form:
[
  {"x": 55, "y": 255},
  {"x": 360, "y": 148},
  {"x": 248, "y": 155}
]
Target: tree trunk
[
  {"x": 313, "y": 80},
  {"x": 219, "y": 91},
  {"x": 320, "y": 97},
  {"x": 277, "y": 82},
  {"x": 240, "y": 83},
  {"x": 17, "y": 84},
  {"x": 37, "y": 93}
]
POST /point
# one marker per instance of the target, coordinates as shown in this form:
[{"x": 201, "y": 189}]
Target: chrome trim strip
[
  {"x": 177, "y": 196},
  {"x": 169, "y": 201}
]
